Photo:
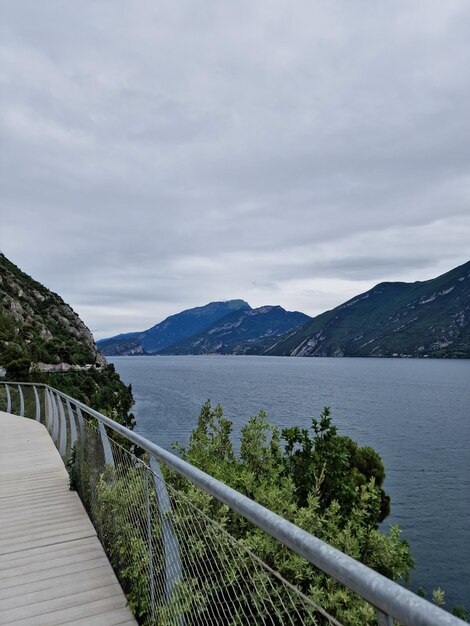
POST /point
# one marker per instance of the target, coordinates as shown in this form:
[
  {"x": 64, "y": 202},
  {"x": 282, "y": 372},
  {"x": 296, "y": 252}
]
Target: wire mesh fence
[
  {"x": 173, "y": 545},
  {"x": 176, "y": 564}
]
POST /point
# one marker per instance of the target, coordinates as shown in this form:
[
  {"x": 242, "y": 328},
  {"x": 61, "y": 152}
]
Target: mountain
[
  {"x": 246, "y": 331},
  {"x": 38, "y": 327},
  {"x": 172, "y": 330},
  {"x": 429, "y": 318}
]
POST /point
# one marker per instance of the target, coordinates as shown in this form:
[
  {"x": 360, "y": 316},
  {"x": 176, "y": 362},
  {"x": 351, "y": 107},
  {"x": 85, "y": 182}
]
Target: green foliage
[
  {"x": 438, "y": 597},
  {"x": 332, "y": 466},
  {"x": 7, "y": 326},
  {"x": 37, "y": 325},
  {"x": 125, "y": 533},
  {"x": 18, "y": 369},
  {"x": 73, "y": 468},
  {"x": 100, "y": 389},
  {"x": 285, "y": 471},
  {"x": 319, "y": 480},
  {"x": 461, "y": 612}
]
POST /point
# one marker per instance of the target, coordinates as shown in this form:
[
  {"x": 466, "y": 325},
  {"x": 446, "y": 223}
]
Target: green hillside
[
  {"x": 37, "y": 326},
  {"x": 43, "y": 339},
  {"x": 421, "y": 319}
]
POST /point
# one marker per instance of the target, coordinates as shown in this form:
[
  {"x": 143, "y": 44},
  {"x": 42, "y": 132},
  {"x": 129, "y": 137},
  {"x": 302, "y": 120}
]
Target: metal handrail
[{"x": 389, "y": 598}]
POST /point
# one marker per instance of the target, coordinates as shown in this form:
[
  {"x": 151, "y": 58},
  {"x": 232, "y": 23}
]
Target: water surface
[{"x": 415, "y": 413}]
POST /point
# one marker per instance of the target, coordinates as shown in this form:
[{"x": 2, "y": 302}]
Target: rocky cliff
[{"x": 38, "y": 329}]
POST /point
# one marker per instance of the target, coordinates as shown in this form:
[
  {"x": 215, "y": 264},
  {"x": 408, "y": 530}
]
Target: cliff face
[
  {"x": 421, "y": 319},
  {"x": 38, "y": 329}
]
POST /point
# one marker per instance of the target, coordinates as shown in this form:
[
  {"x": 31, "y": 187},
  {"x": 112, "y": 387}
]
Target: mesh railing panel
[{"x": 177, "y": 566}]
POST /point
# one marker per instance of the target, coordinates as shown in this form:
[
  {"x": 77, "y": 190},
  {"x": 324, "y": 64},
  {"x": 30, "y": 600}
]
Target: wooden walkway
[{"x": 53, "y": 569}]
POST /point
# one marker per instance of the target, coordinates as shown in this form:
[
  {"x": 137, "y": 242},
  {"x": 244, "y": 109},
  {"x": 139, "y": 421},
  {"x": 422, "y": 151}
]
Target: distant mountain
[
  {"x": 430, "y": 318},
  {"x": 37, "y": 328},
  {"x": 172, "y": 330},
  {"x": 246, "y": 331}
]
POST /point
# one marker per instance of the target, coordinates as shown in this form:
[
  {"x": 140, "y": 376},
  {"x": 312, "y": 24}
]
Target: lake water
[{"x": 415, "y": 413}]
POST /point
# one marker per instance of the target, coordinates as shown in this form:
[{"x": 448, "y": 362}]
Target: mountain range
[
  {"x": 420, "y": 319},
  {"x": 231, "y": 327}
]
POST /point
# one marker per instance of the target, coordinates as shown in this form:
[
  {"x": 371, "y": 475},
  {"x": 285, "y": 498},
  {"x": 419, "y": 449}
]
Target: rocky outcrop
[{"x": 38, "y": 327}]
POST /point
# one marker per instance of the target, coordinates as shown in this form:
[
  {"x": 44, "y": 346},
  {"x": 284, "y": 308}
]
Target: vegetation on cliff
[
  {"x": 37, "y": 327},
  {"x": 422, "y": 319},
  {"x": 319, "y": 480},
  {"x": 43, "y": 340}
]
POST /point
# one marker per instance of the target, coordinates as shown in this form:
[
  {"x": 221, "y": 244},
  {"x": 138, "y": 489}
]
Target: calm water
[{"x": 415, "y": 413}]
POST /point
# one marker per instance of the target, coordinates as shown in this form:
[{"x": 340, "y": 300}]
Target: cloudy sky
[{"x": 160, "y": 155}]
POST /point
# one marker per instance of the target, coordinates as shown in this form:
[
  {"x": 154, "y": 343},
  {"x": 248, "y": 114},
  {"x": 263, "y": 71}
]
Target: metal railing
[{"x": 178, "y": 564}]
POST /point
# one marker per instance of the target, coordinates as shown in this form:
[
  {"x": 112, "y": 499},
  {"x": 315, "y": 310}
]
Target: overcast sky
[{"x": 160, "y": 155}]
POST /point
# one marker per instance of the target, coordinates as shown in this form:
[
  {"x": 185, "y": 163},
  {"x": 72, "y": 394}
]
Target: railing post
[
  {"x": 81, "y": 423},
  {"x": 63, "y": 428},
  {"x": 73, "y": 426},
  {"x": 20, "y": 392},
  {"x": 150, "y": 545},
  {"x": 383, "y": 619},
  {"x": 108, "y": 453},
  {"x": 38, "y": 404},
  {"x": 55, "y": 420},
  {"x": 7, "y": 389},
  {"x": 49, "y": 414},
  {"x": 171, "y": 550}
]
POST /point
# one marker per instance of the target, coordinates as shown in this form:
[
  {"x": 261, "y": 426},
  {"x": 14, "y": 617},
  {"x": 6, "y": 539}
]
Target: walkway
[{"x": 53, "y": 569}]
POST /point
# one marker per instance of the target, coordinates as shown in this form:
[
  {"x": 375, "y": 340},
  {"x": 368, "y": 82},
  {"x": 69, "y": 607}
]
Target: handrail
[{"x": 392, "y": 600}]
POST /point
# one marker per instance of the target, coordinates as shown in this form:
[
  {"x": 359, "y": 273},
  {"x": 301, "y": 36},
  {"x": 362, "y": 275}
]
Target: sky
[{"x": 157, "y": 156}]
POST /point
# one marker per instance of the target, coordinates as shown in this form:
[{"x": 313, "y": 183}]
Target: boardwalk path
[{"x": 53, "y": 569}]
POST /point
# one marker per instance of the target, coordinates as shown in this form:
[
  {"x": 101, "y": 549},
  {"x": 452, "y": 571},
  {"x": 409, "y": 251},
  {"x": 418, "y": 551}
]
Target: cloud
[{"x": 159, "y": 156}]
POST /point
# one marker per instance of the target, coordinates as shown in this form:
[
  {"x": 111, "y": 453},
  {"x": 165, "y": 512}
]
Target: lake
[{"x": 415, "y": 413}]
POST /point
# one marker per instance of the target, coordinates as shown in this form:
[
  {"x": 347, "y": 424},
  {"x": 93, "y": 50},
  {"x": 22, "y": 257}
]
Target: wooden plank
[
  {"x": 39, "y": 573},
  {"x": 46, "y": 539},
  {"x": 54, "y": 588},
  {"x": 112, "y": 593},
  {"x": 57, "y": 561},
  {"x": 53, "y": 569},
  {"x": 80, "y": 611},
  {"x": 118, "y": 617},
  {"x": 42, "y": 552},
  {"x": 46, "y": 529}
]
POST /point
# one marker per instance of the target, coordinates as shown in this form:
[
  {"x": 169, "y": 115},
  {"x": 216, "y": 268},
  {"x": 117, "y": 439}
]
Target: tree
[{"x": 319, "y": 480}]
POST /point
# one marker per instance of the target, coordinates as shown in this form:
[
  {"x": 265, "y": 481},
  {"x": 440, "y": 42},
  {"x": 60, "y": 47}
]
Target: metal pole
[
  {"x": 63, "y": 429},
  {"x": 81, "y": 422},
  {"x": 55, "y": 420},
  {"x": 7, "y": 389},
  {"x": 49, "y": 412},
  {"x": 108, "y": 453},
  {"x": 72, "y": 425},
  {"x": 171, "y": 549},
  {"x": 38, "y": 405},
  {"x": 150, "y": 546},
  {"x": 20, "y": 391}
]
